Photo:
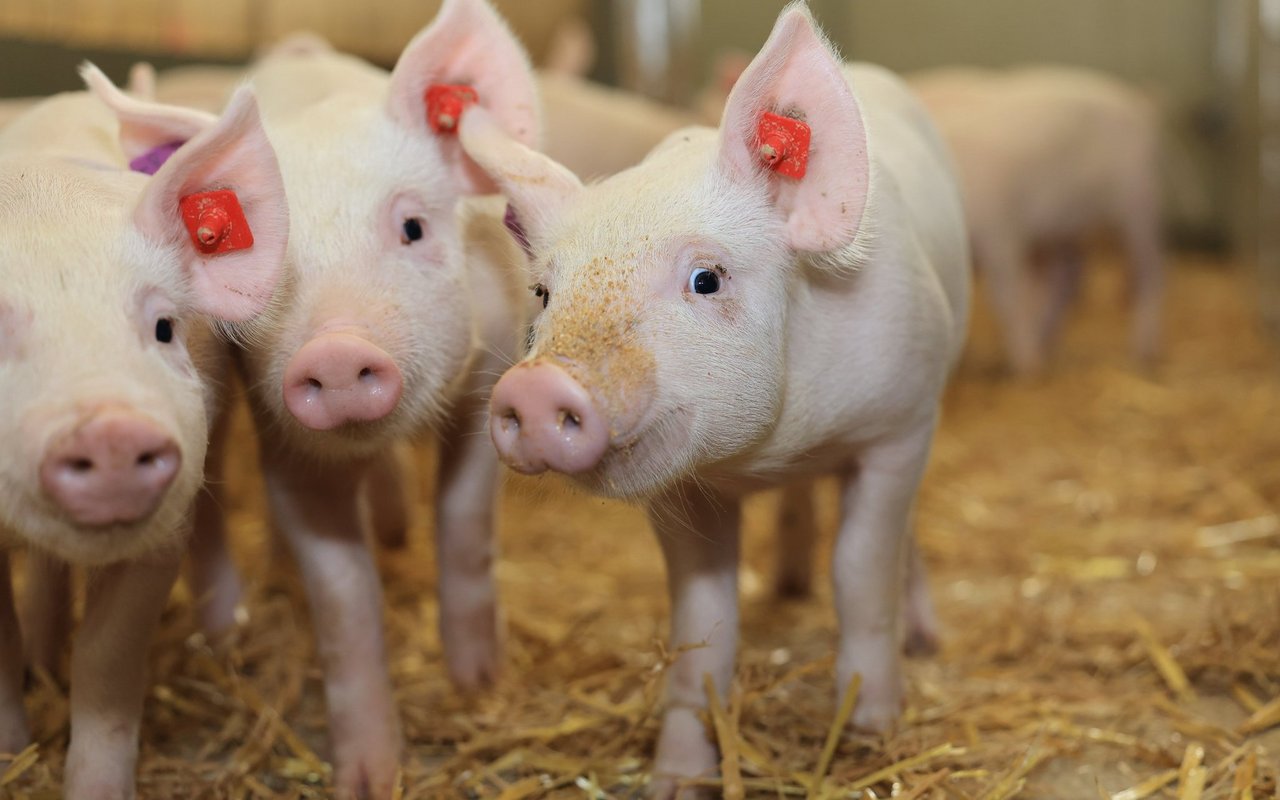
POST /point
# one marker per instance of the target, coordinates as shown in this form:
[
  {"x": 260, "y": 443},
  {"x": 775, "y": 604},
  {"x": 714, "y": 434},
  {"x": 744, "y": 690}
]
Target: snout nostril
[
  {"x": 314, "y": 384},
  {"x": 569, "y": 419},
  {"x": 366, "y": 373},
  {"x": 146, "y": 459},
  {"x": 511, "y": 419},
  {"x": 81, "y": 465}
]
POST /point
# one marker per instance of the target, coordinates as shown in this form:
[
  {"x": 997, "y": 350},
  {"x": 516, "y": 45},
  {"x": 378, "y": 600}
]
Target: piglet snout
[
  {"x": 340, "y": 378},
  {"x": 541, "y": 418},
  {"x": 113, "y": 467}
]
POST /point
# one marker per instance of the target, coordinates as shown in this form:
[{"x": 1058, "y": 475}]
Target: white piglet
[
  {"x": 746, "y": 308},
  {"x": 1048, "y": 157},
  {"x": 392, "y": 323},
  {"x": 111, "y": 374}
]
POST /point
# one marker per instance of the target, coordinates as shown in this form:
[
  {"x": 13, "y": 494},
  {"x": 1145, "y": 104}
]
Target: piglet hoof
[
  {"x": 472, "y": 643},
  {"x": 881, "y": 698},
  {"x": 475, "y": 662},
  {"x": 921, "y": 641},
  {"x": 684, "y": 752},
  {"x": 366, "y": 772}
]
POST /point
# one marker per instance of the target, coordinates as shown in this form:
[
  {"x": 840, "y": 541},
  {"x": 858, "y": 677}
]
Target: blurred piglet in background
[
  {"x": 1049, "y": 157},
  {"x": 747, "y": 308},
  {"x": 112, "y": 373},
  {"x": 397, "y": 312}
]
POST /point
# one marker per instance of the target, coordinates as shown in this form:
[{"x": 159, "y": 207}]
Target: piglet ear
[
  {"x": 142, "y": 81},
  {"x": 219, "y": 201},
  {"x": 145, "y": 126},
  {"x": 795, "y": 88},
  {"x": 467, "y": 45},
  {"x": 536, "y": 187}
]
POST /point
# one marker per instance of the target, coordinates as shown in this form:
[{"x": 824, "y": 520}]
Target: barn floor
[{"x": 1103, "y": 552}]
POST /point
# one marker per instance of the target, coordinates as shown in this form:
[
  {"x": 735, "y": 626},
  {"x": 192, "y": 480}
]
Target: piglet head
[
  {"x": 662, "y": 346},
  {"x": 109, "y": 365},
  {"x": 378, "y": 328}
]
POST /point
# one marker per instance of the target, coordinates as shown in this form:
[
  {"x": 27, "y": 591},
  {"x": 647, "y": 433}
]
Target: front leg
[
  {"x": 316, "y": 509},
  {"x": 14, "y": 734},
  {"x": 699, "y": 538},
  {"x": 467, "y": 484},
  {"x": 868, "y": 570},
  {"x": 108, "y": 673}
]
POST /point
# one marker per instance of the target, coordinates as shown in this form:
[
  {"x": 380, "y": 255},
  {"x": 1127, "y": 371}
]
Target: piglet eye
[
  {"x": 542, "y": 291},
  {"x": 164, "y": 330},
  {"x": 411, "y": 231},
  {"x": 704, "y": 281}
]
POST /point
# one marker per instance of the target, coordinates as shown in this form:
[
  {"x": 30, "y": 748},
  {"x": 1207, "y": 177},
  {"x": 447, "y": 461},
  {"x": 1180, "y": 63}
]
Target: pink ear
[
  {"x": 233, "y": 283},
  {"x": 797, "y": 75},
  {"x": 467, "y": 44},
  {"x": 144, "y": 125},
  {"x": 536, "y": 187}
]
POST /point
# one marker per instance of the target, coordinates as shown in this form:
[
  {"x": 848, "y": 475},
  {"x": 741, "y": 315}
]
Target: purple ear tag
[
  {"x": 512, "y": 222},
  {"x": 151, "y": 161}
]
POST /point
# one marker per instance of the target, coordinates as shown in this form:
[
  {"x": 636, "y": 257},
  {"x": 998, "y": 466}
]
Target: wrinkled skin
[{"x": 837, "y": 305}]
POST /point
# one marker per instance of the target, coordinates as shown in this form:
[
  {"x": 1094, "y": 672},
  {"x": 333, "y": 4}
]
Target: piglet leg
[
  {"x": 215, "y": 581},
  {"x": 13, "y": 716},
  {"x": 46, "y": 617},
  {"x": 316, "y": 508},
  {"x": 868, "y": 572},
  {"x": 1011, "y": 289},
  {"x": 465, "y": 495},
  {"x": 797, "y": 535},
  {"x": 699, "y": 538},
  {"x": 922, "y": 634},
  {"x": 386, "y": 495},
  {"x": 108, "y": 674}
]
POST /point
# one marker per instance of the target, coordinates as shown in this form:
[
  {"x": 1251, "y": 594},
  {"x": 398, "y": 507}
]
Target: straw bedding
[{"x": 1103, "y": 552}]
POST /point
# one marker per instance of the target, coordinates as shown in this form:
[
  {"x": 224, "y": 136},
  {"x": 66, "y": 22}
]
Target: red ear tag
[
  {"x": 784, "y": 144},
  {"x": 216, "y": 222},
  {"x": 445, "y": 104}
]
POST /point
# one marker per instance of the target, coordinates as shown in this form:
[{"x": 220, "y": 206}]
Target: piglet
[
  {"x": 1047, "y": 158},
  {"x": 396, "y": 316},
  {"x": 749, "y": 307},
  {"x": 111, "y": 375}
]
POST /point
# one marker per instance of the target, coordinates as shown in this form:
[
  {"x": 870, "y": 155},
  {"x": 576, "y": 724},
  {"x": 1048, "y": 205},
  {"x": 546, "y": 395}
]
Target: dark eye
[
  {"x": 704, "y": 281},
  {"x": 164, "y": 330},
  {"x": 541, "y": 291},
  {"x": 411, "y": 231}
]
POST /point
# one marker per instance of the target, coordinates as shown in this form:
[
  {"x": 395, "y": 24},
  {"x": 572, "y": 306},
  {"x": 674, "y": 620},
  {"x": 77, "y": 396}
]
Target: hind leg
[
  {"x": 922, "y": 628},
  {"x": 386, "y": 497},
  {"x": 13, "y": 715},
  {"x": 1063, "y": 266},
  {"x": 212, "y": 574},
  {"x": 46, "y": 615},
  {"x": 1141, "y": 233},
  {"x": 796, "y": 536},
  {"x": 1011, "y": 290}
]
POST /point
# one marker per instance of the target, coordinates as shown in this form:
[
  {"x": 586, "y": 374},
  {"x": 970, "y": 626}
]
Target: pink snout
[
  {"x": 113, "y": 467},
  {"x": 339, "y": 378},
  {"x": 541, "y": 418}
]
